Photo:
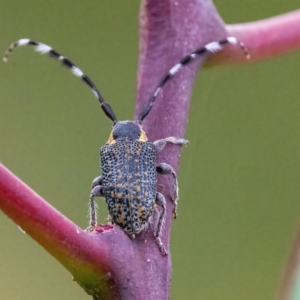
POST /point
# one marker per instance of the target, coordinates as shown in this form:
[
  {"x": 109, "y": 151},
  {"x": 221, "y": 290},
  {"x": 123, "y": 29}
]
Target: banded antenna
[
  {"x": 212, "y": 47},
  {"x": 42, "y": 48}
]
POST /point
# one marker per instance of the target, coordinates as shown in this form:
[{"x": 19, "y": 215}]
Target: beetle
[{"x": 128, "y": 160}]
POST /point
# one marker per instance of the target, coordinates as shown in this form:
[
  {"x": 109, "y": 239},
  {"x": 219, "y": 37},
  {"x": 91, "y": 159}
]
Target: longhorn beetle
[{"x": 128, "y": 159}]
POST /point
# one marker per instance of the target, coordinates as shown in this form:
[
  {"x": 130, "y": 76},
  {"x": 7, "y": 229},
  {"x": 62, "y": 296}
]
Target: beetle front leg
[
  {"x": 165, "y": 169},
  {"x": 97, "y": 191},
  {"x": 161, "y": 201},
  {"x": 160, "y": 144}
]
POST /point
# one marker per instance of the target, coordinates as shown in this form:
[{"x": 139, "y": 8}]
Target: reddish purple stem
[
  {"x": 268, "y": 38},
  {"x": 107, "y": 263}
]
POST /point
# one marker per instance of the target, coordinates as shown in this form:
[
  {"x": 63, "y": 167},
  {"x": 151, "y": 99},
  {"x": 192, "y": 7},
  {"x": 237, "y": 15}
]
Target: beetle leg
[
  {"x": 160, "y": 144},
  {"x": 165, "y": 169},
  {"x": 97, "y": 181},
  {"x": 97, "y": 191},
  {"x": 161, "y": 201}
]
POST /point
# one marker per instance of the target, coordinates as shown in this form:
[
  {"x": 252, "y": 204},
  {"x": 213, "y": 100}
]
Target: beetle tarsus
[{"x": 161, "y": 201}]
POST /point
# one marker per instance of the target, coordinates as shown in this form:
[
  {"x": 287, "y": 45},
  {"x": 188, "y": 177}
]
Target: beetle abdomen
[{"x": 129, "y": 182}]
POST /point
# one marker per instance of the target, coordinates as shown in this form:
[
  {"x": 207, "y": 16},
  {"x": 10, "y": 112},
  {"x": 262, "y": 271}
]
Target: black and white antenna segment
[{"x": 212, "y": 47}]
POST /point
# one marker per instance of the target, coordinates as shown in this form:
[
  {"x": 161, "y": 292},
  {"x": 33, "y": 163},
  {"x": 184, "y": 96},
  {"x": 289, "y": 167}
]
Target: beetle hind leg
[
  {"x": 165, "y": 169},
  {"x": 161, "y": 201}
]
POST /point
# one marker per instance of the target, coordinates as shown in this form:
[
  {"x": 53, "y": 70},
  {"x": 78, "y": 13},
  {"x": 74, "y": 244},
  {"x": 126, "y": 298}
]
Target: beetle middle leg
[
  {"x": 97, "y": 191},
  {"x": 165, "y": 169},
  {"x": 161, "y": 201}
]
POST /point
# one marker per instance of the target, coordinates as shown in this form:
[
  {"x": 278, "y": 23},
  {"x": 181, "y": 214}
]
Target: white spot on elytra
[
  {"x": 76, "y": 71},
  {"x": 175, "y": 69},
  {"x": 42, "y": 48},
  {"x": 193, "y": 55},
  {"x": 213, "y": 47},
  {"x": 23, "y": 42}
]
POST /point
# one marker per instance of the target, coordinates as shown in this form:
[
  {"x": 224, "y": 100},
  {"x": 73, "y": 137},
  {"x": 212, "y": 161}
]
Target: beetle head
[{"x": 127, "y": 130}]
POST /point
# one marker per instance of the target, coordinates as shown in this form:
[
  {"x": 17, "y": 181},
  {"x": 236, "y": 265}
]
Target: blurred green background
[{"x": 239, "y": 179}]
